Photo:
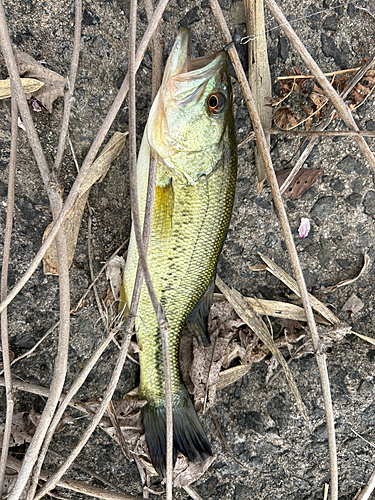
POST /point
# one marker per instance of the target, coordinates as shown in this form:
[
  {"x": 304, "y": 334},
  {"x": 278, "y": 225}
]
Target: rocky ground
[{"x": 262, "y": 426}]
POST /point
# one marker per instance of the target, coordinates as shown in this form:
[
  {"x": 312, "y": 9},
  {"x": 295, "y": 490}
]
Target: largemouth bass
[{"x": 191, "y": 129}]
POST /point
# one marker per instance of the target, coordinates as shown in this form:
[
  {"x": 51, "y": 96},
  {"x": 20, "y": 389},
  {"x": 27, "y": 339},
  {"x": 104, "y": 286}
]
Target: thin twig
[
  {"x": 71, "y": 80},
  {"x": 55, "y": 199},
  {"x": 328, "y": 90},
  {"x": 320, "y": 133},
  {"x": 332, "y": 73},
  {"x": 44, "y": 392},
  {"x": 194, "y": 495},
  {"x": 279, "y": 205},
  {"x": 310, "y": 133},
  {"x": 157, "y": 52},
  {"x": 89, "y": 252},
  {"x": 75, "y": 190},
  {"x": 4, "y": 288}
]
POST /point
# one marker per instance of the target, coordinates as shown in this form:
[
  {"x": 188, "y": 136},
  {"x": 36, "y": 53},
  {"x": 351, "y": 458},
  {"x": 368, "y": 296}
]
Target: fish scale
[{"x": 191, "y": 212}]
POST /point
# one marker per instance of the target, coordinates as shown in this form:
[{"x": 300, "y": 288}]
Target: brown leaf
[
  {"x": 353, "y": 304},
  {"x": 318, "y": 90},
  {"x": 290, "y": 325},
  {"x": 54, "y": 83},
  {"x": 308, "y": 123},
  {"x": 206, "y": 362},
  {"x": 23, "y": 428},
  {"x": 358, "y": 96},
  {"x": 304, "y": 179},
  {"x": 284, "y": 118},
  {"x": 362, "y": 88},
  {"x": 186, "y": 472},
  {"x": 318, "y": 99}
]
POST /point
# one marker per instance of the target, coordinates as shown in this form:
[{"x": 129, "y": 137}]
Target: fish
[{"x": 191, "y": 130}]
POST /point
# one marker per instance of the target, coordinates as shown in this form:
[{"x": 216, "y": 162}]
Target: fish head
[{"x": 190, "y": 114}]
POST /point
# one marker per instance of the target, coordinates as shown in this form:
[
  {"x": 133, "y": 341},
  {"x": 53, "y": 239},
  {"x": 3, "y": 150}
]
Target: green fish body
[{"x": 191, "y": 129}]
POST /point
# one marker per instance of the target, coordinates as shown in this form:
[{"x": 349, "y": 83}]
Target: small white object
[
  {"x": 20, "y": 124},
  {"x": 304, "y": 227}
]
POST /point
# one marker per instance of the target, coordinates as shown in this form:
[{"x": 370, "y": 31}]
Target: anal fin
[{"x": 197, "y": 321}]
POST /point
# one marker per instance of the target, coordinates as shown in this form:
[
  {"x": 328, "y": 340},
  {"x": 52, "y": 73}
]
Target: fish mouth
[{"x": 181, "y": 68}]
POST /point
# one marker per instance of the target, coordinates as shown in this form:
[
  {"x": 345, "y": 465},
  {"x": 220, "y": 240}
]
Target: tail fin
[{"x": 188, "y": 435}]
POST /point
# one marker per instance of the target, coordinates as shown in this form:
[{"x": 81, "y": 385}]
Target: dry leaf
[
  {"x": 285, "y": 119},
  {"x": 318, "y": 99},
  {"x": 201, "y": 372},
  {"x": 353, "y": 304},
  {"x": 29, "y": 85},
  {"x": 304, "y": 179},
  {"x": 228, "y": 377},
  {"x": 54, "y": 83},
  {"x": 186, "y": 472},
  {"x": 23, "y": 428},
  {"x": 114, "y": 272},
  {"x": 72, "y": 223}
]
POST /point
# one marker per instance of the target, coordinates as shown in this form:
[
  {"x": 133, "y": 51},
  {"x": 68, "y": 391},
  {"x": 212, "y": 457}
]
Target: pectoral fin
[{"x": 197, "y": 322}]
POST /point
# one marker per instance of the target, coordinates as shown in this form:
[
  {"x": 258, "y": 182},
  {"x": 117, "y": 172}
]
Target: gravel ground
[{"x": 262, "y": 426}]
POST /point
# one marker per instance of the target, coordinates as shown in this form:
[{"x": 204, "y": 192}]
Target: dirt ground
[{"x": 282, "y": 459}]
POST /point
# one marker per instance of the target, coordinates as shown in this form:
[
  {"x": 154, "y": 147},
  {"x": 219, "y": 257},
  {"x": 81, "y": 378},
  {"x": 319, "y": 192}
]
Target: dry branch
[
  {"x": 259, "y": 74},
  {"x": 325, "y": 123},
  {"x": 56, "y": 203},
  {"x": 4, "y": 289},
  {"x": 262, "y": 143},
  {"x": 71, "y": 80},
  {"x": 368, "y": 489}
]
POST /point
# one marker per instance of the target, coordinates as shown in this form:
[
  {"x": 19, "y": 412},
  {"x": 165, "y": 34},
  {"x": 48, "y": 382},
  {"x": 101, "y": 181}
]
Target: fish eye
[{"x": 216, "y": 102}]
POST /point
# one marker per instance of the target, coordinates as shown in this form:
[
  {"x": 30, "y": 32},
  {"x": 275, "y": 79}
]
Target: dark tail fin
[{"x": 188, "y": 435}]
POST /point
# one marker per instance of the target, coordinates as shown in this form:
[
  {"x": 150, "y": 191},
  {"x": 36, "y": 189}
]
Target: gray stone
[
  {"x": 354, "y": 199},
  {"x": 351, "y": 11},
  {"x": 330, "y": 23},
  {"x": 357, "y": 185},
  {"x": 283, "y": 48},
  {"x": 337, "y": 185},
  {"x": 350, "y": 164},
  {"x": 323, "y": 207},
  {"x": 369, "y": 203},
  {"x": 330, "y": 50}
]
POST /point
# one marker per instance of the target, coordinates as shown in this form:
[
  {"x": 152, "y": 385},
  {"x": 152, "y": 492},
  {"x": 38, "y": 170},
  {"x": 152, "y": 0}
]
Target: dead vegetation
[{"x": 239, "y": 335}]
